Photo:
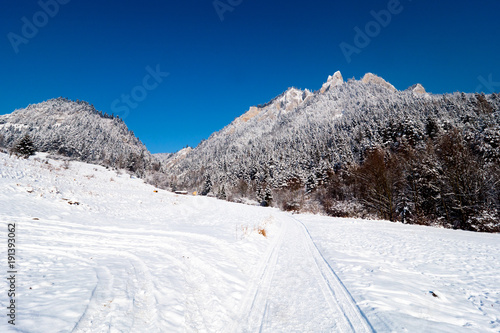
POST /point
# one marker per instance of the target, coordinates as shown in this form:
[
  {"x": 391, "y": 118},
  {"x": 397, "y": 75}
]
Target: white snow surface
[{"x": 129, "y": 259}]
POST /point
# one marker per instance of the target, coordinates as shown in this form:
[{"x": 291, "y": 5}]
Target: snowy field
[{"x": 98, "y": 251}]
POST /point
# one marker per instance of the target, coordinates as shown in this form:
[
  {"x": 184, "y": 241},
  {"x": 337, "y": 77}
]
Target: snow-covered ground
[
  {"x": 392, "y": 271},
  {"x": 99, "y": 251}
]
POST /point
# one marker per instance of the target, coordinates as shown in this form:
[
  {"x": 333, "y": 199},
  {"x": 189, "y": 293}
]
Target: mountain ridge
[
  {"x": 75, "y": 129},
  {"x": 294, "y": 98}
]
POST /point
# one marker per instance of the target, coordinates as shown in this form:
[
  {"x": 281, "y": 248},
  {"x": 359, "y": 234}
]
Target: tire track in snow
[
  {"x": 137, "y": 286},
  {"x": 291, "y": 280},
  {"x": 140, "y": 315},
  {"x": 95, "y": 311},
  {"x": 253, "y": 307},
  {"x": 334, "y": 290},
  {"x": 129, "y": 300}
]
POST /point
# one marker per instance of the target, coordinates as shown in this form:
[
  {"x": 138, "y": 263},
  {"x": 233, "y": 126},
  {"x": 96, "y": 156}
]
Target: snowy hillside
[
  {"x": 100, "y": 251},
  {"x": 75, "y": 130}
]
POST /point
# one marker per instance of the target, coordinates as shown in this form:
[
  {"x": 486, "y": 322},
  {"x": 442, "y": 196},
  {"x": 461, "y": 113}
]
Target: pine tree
[
  {"x": 24, "y": 148},
  {"x": 207, "y": 187}
]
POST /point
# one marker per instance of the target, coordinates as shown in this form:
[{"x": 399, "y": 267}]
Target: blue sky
[{"x": 104, "y": 51}]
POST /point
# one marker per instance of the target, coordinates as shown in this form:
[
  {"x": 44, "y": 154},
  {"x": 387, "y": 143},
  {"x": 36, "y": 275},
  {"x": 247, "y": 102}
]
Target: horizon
[{"x": 145, "y": 63}]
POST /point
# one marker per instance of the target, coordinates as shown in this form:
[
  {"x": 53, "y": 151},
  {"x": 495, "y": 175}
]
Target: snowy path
[{"x": 295, "y": 290}]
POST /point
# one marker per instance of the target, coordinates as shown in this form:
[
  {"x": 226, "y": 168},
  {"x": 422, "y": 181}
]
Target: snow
[
  {"x": 124, "y": 258},
  {"x": 297, "y": 290},
  {"x": 392, "y": 270},
  {"x": 291, "y": 99}
]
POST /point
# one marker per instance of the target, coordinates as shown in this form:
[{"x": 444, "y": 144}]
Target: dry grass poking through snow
[{"x": 245, "y": 230}]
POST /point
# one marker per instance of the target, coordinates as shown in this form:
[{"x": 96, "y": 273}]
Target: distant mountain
[
  {"x": 170, "y": 159},
  {"x": 163, "y": 156},
  {"x": 372, "y": 78},
  {"x": 417, "y": 89},
  {"x": 76, "y": 130},
  {"x": 286, "y": 132},
  {"x": 297, "y": 145}
]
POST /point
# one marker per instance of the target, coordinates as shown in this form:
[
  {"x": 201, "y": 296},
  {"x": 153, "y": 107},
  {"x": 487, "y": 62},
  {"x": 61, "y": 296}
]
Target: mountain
[
  {"x": 119, "y": 255},
  {"x": 417, "y": 89},
  {"x": 291, "y": 150},
  {"x": 170, "y": 159},
  {"x": 78, "y": 131},
  {"x": 284, "y": 133},
  {"x": 284, "y": 103}
]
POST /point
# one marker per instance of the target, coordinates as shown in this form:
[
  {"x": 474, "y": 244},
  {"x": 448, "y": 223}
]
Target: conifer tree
[
  {"x": 24, "y": 148},
  {"x": 207, "y": 187}
]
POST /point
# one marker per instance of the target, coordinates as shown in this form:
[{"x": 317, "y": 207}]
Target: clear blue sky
[{"x": 98, "y": 51}]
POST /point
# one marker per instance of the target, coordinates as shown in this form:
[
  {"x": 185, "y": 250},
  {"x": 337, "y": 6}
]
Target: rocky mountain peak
[
  {"x": 417, "y": 89},
  {"x": 291, "y": 99},
  {"x": 333, "y": 80},
  {"x": 372, "y": 78}
]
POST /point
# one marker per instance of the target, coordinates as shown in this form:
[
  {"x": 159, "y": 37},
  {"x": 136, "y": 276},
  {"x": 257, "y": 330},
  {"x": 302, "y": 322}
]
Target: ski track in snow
[
  {"x": 336, "y": 293},
  {"x": 410, "y": 278},
  {"x": 135, "y": 303}
]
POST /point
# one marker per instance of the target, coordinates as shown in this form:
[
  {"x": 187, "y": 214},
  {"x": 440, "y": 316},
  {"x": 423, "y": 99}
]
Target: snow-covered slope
[
  {"x": 410, "y": 278},
  {"x": 76, "y": 130},
  {"x": 99, "y": 251},
  {"x": 123, "y": 257}
]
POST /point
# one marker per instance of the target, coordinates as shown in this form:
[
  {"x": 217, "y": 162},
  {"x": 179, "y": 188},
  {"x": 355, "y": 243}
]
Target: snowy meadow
[{"x": 101, "y": 251}]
